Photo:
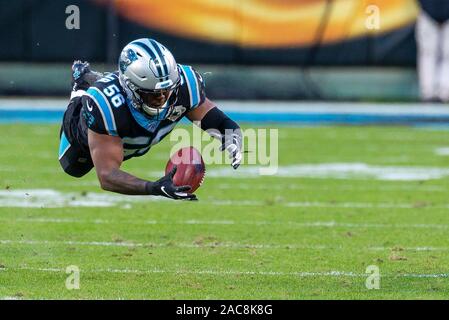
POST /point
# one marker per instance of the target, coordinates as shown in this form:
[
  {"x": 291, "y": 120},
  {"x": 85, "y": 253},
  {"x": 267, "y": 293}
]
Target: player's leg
[
  {"x": 443, "y": 90},
  {"x": 427, "y": 34},
  {"x": 73, "y": 161},
  {"x": 74, "y": 158}
]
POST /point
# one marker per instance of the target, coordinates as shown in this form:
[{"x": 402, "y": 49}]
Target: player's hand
[
  {"x": 164, "y": 187},
  {"x": 233, "y": 144}
]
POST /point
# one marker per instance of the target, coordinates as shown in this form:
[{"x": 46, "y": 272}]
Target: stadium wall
[{"x": 241, "y": 82}]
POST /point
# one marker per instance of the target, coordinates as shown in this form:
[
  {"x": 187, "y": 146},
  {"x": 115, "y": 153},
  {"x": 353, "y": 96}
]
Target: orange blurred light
[{"x": 265, "y": 23}]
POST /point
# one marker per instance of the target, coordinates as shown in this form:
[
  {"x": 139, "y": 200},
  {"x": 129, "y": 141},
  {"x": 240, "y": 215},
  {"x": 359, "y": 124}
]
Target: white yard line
[
  {"x": 282, "y": 186},
  {"x": 344, "y": 171},
  {"x": 340, "y": 171},
  {"x": 299, "y": 204},
  {"x": 230, "y": 245},
  {"x": 352, "y": 205},
  {"x": 442, "y": 151},
  {"x": 333, "y": 188},
  {"x": 159, "y": 245},
  {"x": 317, "y": 204},
  {"x": 301, "y": 274},
  {"x": 201, "y": 272},
  {"x": 294, "y": 224},
  {"x": 50, "y": 198}
]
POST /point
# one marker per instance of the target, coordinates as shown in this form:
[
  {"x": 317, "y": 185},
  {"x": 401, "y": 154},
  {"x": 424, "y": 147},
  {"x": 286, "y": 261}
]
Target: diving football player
[{"x": 116, "y": 116}]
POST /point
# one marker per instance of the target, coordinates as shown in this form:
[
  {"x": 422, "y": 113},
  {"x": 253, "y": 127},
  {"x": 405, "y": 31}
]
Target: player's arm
[
  {"x": 107, "y": 155},
  {"x": 219, "y": 125}
]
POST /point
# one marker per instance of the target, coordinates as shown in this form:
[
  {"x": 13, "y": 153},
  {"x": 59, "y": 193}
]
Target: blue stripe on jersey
[
  {"x": 64, "y": 145},
  {"x": 161, "y": 56},
  {"x": 191, "y": 85},
  {"x": 105, "y": 109},
  {"x": 152, "y": 55}
]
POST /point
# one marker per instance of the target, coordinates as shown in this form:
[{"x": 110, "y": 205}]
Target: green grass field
[{"x": 295, "y": 237}]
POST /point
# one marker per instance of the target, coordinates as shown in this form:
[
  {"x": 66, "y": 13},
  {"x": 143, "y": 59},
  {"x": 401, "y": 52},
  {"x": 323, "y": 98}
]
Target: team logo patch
[{"x": 176, "y": 113}]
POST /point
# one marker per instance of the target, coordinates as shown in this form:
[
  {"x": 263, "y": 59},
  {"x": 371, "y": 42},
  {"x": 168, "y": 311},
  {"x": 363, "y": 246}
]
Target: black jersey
[{"x": 105, "y": 110}]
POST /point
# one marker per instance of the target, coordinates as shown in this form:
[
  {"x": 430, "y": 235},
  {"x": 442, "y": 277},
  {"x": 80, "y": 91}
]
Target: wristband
[
  {"x": 149, "y": 187},
  {"x": 216, "y": 119}
]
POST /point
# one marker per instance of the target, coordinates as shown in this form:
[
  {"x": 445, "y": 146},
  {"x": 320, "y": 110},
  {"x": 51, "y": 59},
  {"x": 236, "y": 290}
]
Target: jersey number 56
[{"x": 113, "y": 92}]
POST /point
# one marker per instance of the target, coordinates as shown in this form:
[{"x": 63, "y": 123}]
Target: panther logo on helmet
[{"x": 128, "y": 57}]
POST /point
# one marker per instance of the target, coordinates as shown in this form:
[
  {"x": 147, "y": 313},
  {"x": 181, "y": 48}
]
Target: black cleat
[{"x": 82, "y": 76}]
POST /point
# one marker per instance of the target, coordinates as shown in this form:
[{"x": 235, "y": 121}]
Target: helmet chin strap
[{"x": 151, "y": 111}]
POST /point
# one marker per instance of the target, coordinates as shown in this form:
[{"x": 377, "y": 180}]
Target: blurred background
[{"x": 339, "y": 50}]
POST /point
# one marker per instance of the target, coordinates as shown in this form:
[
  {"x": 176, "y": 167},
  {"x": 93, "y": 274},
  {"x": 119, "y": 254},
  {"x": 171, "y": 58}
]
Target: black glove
[
  {"x": 233, "y": 144},
  {"x": 164, "y": 187}
]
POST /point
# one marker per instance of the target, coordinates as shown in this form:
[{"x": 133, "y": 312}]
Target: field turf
[{"x": 247, "y": 238}]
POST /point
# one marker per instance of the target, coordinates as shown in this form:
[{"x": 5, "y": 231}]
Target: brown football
[{"x": 190, "y": 168}]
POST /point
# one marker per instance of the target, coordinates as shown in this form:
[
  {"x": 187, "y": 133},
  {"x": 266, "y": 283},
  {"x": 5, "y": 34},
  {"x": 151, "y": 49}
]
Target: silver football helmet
[{"x": 149, "y": 75}]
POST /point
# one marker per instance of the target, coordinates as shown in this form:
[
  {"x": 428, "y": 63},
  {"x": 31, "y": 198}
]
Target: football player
[{"x": 116, "y": 116}]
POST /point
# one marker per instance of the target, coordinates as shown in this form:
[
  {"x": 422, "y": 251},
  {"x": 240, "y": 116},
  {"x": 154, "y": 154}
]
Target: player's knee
[{"x": 73, "y": 170}]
